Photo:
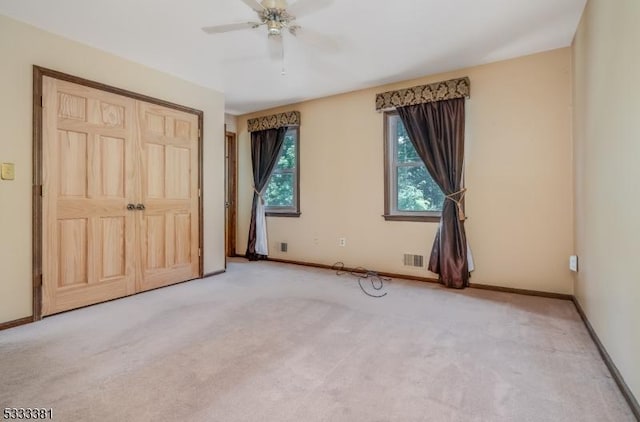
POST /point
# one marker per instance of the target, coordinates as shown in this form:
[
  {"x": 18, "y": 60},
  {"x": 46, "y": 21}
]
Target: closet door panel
[
  {"x": 88, "y": 139},
  {"x": 169, "y": 229}
]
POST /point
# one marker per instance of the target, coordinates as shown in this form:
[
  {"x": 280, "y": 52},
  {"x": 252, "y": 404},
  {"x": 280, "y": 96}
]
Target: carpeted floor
[{"x": 274, "y": 342}]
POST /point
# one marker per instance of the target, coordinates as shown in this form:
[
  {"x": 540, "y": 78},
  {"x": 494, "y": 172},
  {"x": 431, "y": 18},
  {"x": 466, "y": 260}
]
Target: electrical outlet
[
  {"x": 342, "y": 241},
  {"x": 573, "y": 263}
]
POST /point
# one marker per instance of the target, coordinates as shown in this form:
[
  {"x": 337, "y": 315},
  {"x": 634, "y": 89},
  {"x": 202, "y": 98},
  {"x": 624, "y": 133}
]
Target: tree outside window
[
  {"x": 282, "y": 193},
  {"x": 411, "y": 193}
]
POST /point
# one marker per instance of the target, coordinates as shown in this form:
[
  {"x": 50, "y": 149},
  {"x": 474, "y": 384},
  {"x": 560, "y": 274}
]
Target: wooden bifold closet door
[{"x": 120, "y": 196}]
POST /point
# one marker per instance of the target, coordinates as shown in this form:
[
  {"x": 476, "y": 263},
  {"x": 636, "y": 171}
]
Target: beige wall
[
  {"x": 518, "y": 171},
  {"x": 230, "y": 122},
  {"x": 22, "y": 46},
  {"x": 607, "y": 175}
]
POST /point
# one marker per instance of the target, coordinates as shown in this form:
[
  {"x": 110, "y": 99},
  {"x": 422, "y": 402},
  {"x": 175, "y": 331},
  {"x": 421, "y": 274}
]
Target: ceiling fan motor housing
[{"x": 276, "y": 19}]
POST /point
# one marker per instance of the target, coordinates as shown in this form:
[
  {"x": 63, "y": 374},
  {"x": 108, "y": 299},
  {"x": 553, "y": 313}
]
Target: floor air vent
[{"x": 413, "y": 260}]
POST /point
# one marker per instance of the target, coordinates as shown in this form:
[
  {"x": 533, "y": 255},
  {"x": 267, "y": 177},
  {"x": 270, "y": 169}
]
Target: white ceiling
[{"x": 376, "y": 41}]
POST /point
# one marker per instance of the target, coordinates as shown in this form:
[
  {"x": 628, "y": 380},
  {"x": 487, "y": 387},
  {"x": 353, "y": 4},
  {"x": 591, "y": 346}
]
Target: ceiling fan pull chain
[{"x": 284, "y": 71}]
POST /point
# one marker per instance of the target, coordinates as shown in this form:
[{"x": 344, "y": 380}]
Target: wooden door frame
[
  {"x": 231, "y": 160},
  {"x": 38, "y": 74}
]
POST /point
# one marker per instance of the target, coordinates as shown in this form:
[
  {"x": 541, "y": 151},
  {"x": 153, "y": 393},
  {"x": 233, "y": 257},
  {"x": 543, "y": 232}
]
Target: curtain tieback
[
  {"x": 259, "y": 195},
  {"x": 458, "y": 202}
]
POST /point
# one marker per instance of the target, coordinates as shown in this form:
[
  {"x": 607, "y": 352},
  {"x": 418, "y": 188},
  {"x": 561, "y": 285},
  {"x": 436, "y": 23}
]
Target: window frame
[
  {"x": 391, "y": 212},
  {"x": 293, "y": 211}
]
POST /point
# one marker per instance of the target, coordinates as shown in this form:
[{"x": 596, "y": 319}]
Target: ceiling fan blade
[
  {"x": 305, "y": 7},
  {"x": 274, "y": 4},
  {"x": 318, "y": 40},
  {"x": 276, "y": 47},
  {"x": 254, "y": 4},
  {"x": 218, "y": 29}
]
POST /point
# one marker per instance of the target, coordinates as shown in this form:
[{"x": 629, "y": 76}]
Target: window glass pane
[
  {"x": 406, "y": 153},
  {"x": 282, "y": 187},
  {"x": 288, "y": 154},
  {"x": 417, "y": 191},
  {"x": 279, "y": 192}
]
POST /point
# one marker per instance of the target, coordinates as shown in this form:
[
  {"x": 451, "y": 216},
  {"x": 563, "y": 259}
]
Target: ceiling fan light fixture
[{"x": 274, "y": 27}]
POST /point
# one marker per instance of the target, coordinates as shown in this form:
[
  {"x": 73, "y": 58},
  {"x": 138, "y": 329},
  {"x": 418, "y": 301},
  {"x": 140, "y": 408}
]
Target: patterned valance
[
  {"x": 290, "y": 118},
  {"x": 446, "y": 90}
]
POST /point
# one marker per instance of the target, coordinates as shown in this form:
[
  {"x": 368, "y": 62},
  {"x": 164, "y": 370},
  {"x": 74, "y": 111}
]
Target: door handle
[
  {"x": 140, "y": 207},
  {"x": 131, "y": 207}
]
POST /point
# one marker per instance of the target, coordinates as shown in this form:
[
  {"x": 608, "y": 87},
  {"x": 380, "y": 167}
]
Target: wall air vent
[
  {"x": 413, "y": 260},
  {"x": 283, "y": 247}
]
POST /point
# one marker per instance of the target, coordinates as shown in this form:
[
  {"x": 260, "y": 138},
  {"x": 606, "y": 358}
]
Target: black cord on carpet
[{"x": 361, "y": 273}]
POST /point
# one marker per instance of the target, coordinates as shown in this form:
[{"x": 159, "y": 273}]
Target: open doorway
[{"x": 231, "y": 191}]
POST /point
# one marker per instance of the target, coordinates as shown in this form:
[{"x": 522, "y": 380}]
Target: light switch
[
  {"x": 8, "y": 171},
  {"x": 573, "y": 263}
]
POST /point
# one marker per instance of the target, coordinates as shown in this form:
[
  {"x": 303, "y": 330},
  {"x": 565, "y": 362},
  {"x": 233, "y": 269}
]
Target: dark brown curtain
[
  {"x": 265, "y": 148},
  {"x": 437, "y": 132}
]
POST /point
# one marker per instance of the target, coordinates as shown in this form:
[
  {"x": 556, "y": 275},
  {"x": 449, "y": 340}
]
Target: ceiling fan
[{"x": 277, "y": 16}]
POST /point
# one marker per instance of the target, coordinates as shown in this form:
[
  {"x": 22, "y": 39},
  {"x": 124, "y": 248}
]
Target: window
[
  {"x": 411, "y": 194},
  {"x": 282, "y": 196}
]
